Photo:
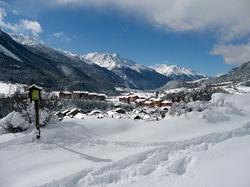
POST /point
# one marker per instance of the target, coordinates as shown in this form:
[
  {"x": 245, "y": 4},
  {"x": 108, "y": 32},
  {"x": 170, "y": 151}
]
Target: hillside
[
  {"x": 239, "y": 74},
  {"x": 50, "y": 68}
]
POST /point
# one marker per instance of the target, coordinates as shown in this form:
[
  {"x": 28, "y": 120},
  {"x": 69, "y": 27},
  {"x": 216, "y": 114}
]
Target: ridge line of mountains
[{"x": 25, "y": 60}]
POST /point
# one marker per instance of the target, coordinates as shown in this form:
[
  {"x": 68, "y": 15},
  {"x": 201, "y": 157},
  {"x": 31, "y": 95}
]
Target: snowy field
[{"x": 197, "y": 149}]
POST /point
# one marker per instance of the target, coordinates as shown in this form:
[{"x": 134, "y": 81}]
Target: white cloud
[
  {"x": 229, "y": 18},
  {"x": 233, "y": 54},
  {"x": 24, "y": 26},
  {"x": 33, "y": 26},
  {"x": 2, "y": 14},
  {"x": 61, "y": 36}
]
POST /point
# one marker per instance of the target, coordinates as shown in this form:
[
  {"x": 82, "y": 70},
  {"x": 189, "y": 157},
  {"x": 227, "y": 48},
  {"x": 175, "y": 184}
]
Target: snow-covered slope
[
  {"x": 239, "y": 74},
  {"x": 208, "y": 148},
  {"x": 136, "y": 75},
  {"x": 25, "y": 60},
  {"x": 25, "y": 40},
  {"x": 178, "y": 73}
]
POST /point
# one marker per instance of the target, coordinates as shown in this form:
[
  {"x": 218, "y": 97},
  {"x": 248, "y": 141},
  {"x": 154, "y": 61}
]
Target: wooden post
[
  {"x": 37, "y": 120},
  {"x": 35, "y": 95}
]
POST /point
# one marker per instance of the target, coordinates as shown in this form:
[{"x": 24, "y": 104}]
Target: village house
[
  {"x": 166, "y": 103},
  {"x": 132, "y": 98},
  {"x": 124, "y": 99},
  {"x": 65, "y": 95},
  {"x": 156, "y": 102},
  {"x": 120, "y": 111},
  {"x": 128, "y": 98},
  {"x": 82, "y": 95},
  {"x": 140, "y": 102},
  {"x": 101, "y": 97},
  {"x": 149, "y": 104},
  {"x": 73, "y": 112}
]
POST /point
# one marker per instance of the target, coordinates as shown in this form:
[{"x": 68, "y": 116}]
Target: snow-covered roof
[
  {"x": 139, "y": 100},
  {"x": 119, "y": 110},
  {"x": 65, "y": 111},
  {"x": 166, "y": 101},
  {"x": 95, "y": 112},
  {"x": 148, "y": 102},
  {"x": 155, "y": 99},
  {"x": 35, "y": 86},
  {"x": 80, "y": 92},
  {"x": 66, "y": 92},
  {"x": 102, "y": 95},
  {"x": 79, "y": 116}
]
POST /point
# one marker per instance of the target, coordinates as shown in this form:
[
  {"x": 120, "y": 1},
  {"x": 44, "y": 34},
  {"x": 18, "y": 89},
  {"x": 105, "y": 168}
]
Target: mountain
[
  {"x": 135, "y": 75},
  {"x": 236, "y": 75},
  {"x": 36, "y": 63},
  {"x": 178, "y": 73},
  {"x": 25, "y": 40}
]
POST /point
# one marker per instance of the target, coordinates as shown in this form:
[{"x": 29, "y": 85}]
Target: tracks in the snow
[{"x": 165, "y": 158}]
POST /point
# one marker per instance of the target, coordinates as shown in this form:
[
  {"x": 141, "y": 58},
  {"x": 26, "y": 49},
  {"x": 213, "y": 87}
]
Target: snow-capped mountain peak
[
  {"x": 178, "y": 72},
  {"x": 135, "y": 75},
  {"x": 112, "y": 61}
]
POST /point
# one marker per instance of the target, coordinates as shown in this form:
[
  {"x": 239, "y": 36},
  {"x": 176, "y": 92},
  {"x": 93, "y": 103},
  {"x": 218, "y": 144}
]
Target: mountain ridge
[
  {"x": 136, "y": 75},
  {"x": 178, "y": 73},
  {"x": 49, "y": 68}
]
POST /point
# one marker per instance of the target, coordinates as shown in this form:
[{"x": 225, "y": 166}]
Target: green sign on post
[{"x": 35, "y": 95}]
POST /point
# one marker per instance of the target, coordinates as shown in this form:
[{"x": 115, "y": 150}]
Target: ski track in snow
[
  {"x": 113, "y": 155},
  {"x": 164, "y": 159}
]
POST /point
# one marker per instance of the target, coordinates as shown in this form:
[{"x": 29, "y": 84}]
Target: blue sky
[{"x": 135, "y": 31}]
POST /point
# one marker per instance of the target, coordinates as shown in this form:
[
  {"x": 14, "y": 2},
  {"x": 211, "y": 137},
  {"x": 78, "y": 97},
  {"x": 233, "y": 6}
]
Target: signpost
[{"x": 35, "y": 95}]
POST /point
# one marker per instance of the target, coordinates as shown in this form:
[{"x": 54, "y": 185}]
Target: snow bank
[
  {"x": 215, "y": 116},
  {"x": 199, "y": 148},
  {"x": 238, "y": 102},
  {"x": 14, "y": 120}
]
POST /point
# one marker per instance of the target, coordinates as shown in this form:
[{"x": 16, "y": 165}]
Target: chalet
[
  {"x": 73, "y": 112},
  {"x": 59, "y": 115},
  {"x": 156, "y": 102},
  {"x": 139, "y": 111},
  {"x": 140, "y": 102},
  {"x": 101, "y": 97},
  {"x": 124, "y": 99},
  {"x": 166, "y": 103},
  {"x": 65, "y": 95},
  {"x": 149, "y": 104},
  {"x": 64, "y": 113},
  {"x": 79, "y": 116},
  {"x": 95, "y": 112},
  {"x": 136, "y": 117},
  {"x": 82, "y": 95},
  {"x": 120, "y": 111},
  {"x": 153, "y": 102},
  {"x": 132, "y": 98},
  {"x": 128, "y": 98}
]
